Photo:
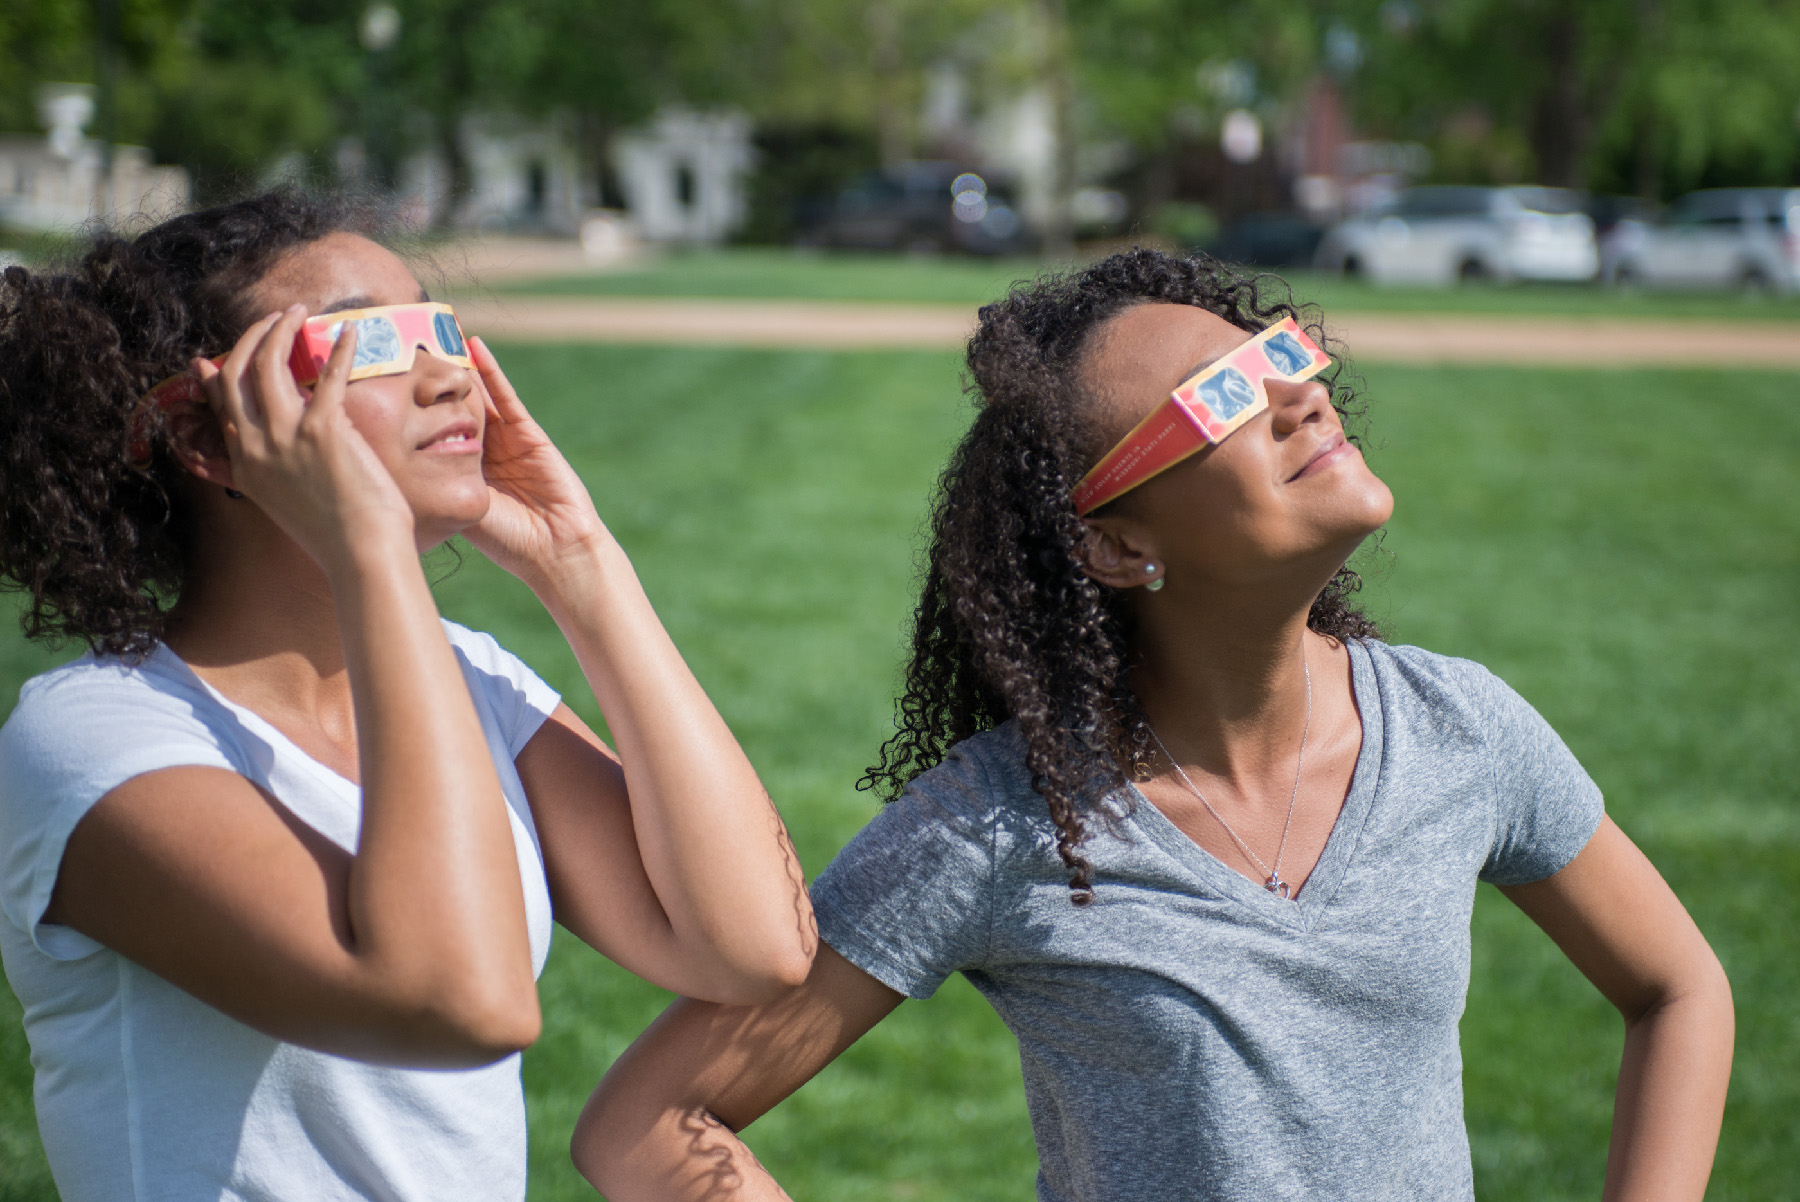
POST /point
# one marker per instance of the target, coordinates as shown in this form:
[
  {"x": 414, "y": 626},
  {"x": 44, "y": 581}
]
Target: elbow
[
  {"x": 587, "y": 1145},
  {"x": 769, "y": 976},
  {"x": 497, "y": 1034},
  {"x": 782, "y": 963},
  {"x": 788, "y": 970},
  {"x": 1700, "y": 992},
  {"x": 604, "y": 1135},
  {"x": 1717, "y": 987},
  {"x": 473, "y": 1028}
]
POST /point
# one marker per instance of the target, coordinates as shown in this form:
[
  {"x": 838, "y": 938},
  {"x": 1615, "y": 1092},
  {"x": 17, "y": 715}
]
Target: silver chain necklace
[{"x": 1272, "y": 882}]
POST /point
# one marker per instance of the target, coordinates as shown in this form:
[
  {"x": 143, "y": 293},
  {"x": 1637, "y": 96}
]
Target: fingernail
[{"x": 295, "y": 307}]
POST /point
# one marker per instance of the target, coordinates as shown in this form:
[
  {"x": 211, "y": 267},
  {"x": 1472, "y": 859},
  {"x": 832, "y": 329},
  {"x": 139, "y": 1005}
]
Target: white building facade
[{"x": 66, "y": 180}]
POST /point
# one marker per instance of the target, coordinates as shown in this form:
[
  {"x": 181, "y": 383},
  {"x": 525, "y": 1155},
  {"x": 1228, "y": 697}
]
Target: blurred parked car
[
  {"x": 1608, "y": 211},
  {"x": 1723, "y": 237},
  {"x": 924, "y": 207},
  {"x": 1438, "y": 235},
  {"x": 1269, "y": 240}
]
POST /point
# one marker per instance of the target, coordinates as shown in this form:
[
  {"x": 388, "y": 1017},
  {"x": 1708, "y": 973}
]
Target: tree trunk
[
  {"x": 1562, "y": 127},
  {"x": 456, "y": 166}
]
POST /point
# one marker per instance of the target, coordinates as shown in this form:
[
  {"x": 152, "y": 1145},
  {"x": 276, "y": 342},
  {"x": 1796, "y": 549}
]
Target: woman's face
[
  {"x": 426, "y": 425},
  {"x": 1285, "y": 493}
]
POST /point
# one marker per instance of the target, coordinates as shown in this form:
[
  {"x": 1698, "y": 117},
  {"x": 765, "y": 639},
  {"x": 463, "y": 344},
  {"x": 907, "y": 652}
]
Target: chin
[
  {"x": 448, "y": 512},
  {"x": 1375, "y": 504}
]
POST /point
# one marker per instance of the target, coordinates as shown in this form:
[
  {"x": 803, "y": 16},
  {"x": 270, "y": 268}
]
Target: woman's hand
[
  {"x": 300, "y": 458},
  {"x": 539, "y": 512}
]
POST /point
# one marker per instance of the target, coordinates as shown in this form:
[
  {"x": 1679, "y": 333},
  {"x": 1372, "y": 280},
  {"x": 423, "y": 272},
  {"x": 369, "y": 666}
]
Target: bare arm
[
  {"x": 415, "y": 950},
  {"x": 1622, "y": 926},
  {"x": 668, "y": 857},
  {"x": 662, "y": 1125}
]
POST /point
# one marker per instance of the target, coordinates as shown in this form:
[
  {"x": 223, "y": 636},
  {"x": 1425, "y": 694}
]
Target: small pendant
[{"x": 1277, "y": 886}]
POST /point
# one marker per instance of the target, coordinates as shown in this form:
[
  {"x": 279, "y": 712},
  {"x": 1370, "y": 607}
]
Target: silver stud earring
[{"x": 1154, "y": 585}]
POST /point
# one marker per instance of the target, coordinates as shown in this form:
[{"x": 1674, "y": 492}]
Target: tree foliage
[{"x": 1651, "y": 96}]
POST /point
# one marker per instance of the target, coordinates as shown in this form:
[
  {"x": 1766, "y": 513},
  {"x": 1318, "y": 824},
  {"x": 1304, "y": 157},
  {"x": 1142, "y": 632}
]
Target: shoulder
[
  {"x": 1428, "y": 673},
  {"x": 102, "y": 706},
  {"x": 482, "y": 651},
  {"x": 1451, "y": 691},
  {"x": 78, "y": 733},
  {"x": 910, "y": 899},
  {"x": 981, "y": 783},
  {"x": 518, "y": 697}
]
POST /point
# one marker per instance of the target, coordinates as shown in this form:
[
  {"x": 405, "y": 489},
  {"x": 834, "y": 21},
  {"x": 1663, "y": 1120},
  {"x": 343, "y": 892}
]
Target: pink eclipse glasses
[
  {"x": 1205, "y": 409},
  {"x": 387, "y": 340}
]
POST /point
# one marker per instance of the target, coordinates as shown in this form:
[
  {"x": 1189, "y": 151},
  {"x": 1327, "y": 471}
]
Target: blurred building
[
  {"x": 67, "y": 179},
  {"x": 522, "y": 176},
  {"x": 683, "y": 175}
]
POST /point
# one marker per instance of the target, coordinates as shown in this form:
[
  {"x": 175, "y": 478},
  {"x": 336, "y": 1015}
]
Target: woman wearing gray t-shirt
[{"x": 1207, "y": 845}]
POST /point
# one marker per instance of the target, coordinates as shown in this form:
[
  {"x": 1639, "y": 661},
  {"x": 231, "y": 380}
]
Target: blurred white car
[
  {"x": 1439, "y": 235},
  {"x": 1720, "y": 238}
]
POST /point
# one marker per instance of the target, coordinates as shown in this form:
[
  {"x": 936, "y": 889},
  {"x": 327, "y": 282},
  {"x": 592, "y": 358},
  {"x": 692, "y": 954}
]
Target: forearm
[
  {"x": 712, "y": 844},
  {"x": 1671, "y": 1097},
  {"x": 675, "y": 1155},
  {"x": 656, "y": 1127},
  {"x": 434, "y": 901}
]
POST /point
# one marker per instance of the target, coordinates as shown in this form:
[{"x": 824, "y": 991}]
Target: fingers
[
  {"x": 507, "y": 405},
  {"x": 328, "y": 393},
  {"x": 276, "y": 393},
  {"x": 224, "y": 388}
]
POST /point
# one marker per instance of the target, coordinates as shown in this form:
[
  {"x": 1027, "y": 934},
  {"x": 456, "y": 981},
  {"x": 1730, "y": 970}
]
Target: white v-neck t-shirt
[{"x": 145, "y": 1093}]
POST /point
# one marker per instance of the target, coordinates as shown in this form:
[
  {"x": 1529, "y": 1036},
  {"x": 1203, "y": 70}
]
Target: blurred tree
[
  {"x": 40, "y": 41},
  {"x": 1164, "y": 73},
  {"x": 240, "y": 87},
  {"x": 1645, "y": 95},
  {"x": 219, "y": 87}
]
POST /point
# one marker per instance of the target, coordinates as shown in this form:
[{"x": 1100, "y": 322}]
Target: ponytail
[{"x": 98, "y": 545}]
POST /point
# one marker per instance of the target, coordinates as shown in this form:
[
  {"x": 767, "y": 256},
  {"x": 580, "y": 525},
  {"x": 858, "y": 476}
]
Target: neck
[
  {"x": 256, "y": 617},
  {"x": 1224, "y": 684}
]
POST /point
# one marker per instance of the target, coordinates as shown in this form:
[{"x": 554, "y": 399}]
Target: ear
[
  {"x": 196, "y": 440},
  {"x": 1118, "y": 556}
]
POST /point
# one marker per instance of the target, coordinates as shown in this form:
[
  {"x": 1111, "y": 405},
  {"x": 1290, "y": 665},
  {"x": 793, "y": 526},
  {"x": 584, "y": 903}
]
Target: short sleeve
[
  {"x": 1547, "y": 807},
  {"x": 517, "y": 697},
  {"x": 910, "y": 899},
  {"x": 77, "y": 734}
]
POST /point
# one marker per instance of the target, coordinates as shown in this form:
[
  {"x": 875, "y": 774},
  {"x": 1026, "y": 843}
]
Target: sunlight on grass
[{"x": 1624, "y": 548}]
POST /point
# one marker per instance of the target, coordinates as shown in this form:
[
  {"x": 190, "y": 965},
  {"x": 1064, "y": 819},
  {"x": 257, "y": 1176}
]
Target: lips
[
  {"x": 456, "y": 437},
  {"x": 1331, "y": 448}
]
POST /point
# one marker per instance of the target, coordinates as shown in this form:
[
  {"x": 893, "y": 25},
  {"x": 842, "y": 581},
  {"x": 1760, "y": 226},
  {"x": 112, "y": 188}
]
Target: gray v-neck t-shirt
[{"x": 1190, "y": 1035}]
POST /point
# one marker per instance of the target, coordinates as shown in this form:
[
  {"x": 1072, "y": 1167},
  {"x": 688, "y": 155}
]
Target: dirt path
[{"x": 1371, "y": 337}]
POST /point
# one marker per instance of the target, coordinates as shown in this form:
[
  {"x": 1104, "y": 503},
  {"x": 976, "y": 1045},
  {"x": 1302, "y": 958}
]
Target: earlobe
[{"x": 1117, "y": 560}]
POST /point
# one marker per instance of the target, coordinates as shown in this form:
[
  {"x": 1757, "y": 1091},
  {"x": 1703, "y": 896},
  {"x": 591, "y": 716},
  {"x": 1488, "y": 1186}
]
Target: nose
[
  {"x": 437, "y": 380},
  {"x": 1293, "y": 404}
]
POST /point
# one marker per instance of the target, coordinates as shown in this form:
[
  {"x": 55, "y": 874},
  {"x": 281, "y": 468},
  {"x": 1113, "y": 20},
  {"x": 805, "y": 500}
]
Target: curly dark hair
[
  {"x": 99, "y": 545},
  {"x": 1008, "y": 625}
]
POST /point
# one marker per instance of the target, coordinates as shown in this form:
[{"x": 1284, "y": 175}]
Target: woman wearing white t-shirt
[{"x": 279, "y": 857}]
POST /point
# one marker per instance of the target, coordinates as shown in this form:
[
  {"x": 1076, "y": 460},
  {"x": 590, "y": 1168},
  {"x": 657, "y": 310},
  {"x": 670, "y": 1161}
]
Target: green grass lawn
[
  {"x": 1624, "y": 548},
  {"x": 752, "y": 272}
]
